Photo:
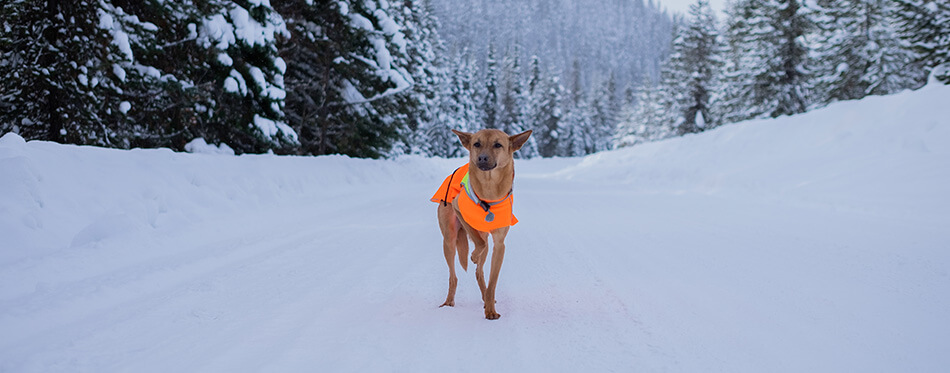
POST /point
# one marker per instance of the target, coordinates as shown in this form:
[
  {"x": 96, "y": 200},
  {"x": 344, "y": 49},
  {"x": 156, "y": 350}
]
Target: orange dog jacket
[{"x": 482, "y": 215}]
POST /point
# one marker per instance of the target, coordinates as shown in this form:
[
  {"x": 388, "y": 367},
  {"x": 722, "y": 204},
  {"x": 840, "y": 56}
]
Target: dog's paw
[
  {"x": 447, "y": 303},
  {"x": 490, "y": 311}
]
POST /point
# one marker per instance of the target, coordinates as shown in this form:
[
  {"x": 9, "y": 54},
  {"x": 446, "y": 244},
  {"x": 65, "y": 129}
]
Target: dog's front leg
[
  {"x": 497, "y": 257},
  {"x": 450, "y": 227},
  {"x": 480, "y": 239},
  {"x": 448, "y": 246}
]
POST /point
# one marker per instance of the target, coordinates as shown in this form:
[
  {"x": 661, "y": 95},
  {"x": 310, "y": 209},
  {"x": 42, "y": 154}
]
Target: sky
[{"x": 682, "y": 6}]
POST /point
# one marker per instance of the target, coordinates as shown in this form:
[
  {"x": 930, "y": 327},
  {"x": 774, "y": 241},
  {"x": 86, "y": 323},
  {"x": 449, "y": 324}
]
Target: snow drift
[
  {"x": 879, "y": 154},
  {"x": 810, "y": 243}
]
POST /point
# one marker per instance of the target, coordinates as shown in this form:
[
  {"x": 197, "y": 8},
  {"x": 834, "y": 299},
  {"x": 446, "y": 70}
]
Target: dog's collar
[{"x": 485, "y": 205}]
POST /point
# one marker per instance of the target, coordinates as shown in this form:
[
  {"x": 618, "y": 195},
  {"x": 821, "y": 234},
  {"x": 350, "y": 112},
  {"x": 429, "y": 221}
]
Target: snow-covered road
[{"x": 815, "y": 243}]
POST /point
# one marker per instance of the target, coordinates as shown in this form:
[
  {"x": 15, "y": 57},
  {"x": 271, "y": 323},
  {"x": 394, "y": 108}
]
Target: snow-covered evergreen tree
[
  {"x": 574, "y": 129},
  {"x": 669, "y": 90},
  {"x": 646, "y": 120},
  {"x": 490, "y": 99},
  {"x": 248, "y": 74},
  {"x": 742, "y": 63},
  {"x": 575, "y": 136},
  {"x": 627, "y": 127},
  {"x": 575, "y": 132},
  {"x": 534, "y": 96},
  {"x": 210, "y": 71},
  {"x": 458, "y": 109},
  {"x": 787, "y": 81},
  {"x": 513, "y": 102},
  {"x": 534, "y": 75},
  {"x": 925, "y": 25},
  {"x": 695, "y": 63},
  {"x": 892, "y": 67},
  {"x": 839, "y": 55},
  {"x": 605, "y": 113},
  {"x": 767, "y": 72},
  {"x": 549, "y": 116},
  {"x": 512, "y": 99},
  {"x": 859, "y": 52},
  {"x": 426, "y": 63},
  {"x": 343, "y": 69},
  {"x": 161, "y": 66},
  {"x": 60, "y": 73}
]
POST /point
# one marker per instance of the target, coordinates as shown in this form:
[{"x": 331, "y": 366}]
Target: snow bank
[
  {"x": 880, "y": 154},
  {"x": 59, "y": 196}
]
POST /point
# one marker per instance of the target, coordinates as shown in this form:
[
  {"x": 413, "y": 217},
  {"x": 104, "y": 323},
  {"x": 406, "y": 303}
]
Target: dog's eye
[
  {"x": 497, "y": 145},
  {"x": 477, "y": 145}
]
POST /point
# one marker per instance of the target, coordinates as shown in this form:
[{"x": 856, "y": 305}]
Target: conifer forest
[{"x": 380, "y": 78}]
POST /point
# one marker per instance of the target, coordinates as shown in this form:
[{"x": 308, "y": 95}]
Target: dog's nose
[{"x": 483, "y": 159}]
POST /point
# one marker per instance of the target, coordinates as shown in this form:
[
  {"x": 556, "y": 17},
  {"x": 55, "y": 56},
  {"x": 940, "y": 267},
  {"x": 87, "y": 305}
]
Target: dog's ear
[
  {"x": 465, "y": 138},
  {"x": 517, "y": 141}
]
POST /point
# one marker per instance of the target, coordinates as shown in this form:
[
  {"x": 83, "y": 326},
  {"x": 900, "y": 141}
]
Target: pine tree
[
  {"x": 646, "y": 120},
  {"x": 629, "y": 121},
  {"x": 248, "y": 75},
  {"x": 490, "y": 99},
  {"x": 534, "y": 94},
  {"x": 768, "y": 71},
  {"x": 343, "y": 73},
  {"x": 627, "y": 127},
  {"x": 160, "y": 104},
  {"x": 216, "y": 65},
  {"x": 425, "y": 61},
  {"x": 669, "y": 91},
  {"x": 511, "y": 99},
  {"x": 535, "y": 78},
  {"x": 859, "y": 51},
  {"x": 115, "y": 78},
  {"x": 59, "y": 73},
  {"x": 925, "y": 25},
  {"x": 458, "y": 109},
  {"x": 891, "y": 67},
  {"x": 605, "y": 114},
  {"x": 575, "y": 134},
  {"x": 513, "y": 102},
  {"x": 696, "y": 62},
  {"x": 788, "y": 79},
  {"x": 549, "y": 116},
  {"x": 743, "y": 61}
]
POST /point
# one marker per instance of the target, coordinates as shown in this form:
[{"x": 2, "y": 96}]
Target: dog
[{"x": 475, "y": 202}]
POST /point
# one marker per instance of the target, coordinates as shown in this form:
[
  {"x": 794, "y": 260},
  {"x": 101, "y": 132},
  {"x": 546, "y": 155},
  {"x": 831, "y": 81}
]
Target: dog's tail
[{"x": 461, "y": 247}]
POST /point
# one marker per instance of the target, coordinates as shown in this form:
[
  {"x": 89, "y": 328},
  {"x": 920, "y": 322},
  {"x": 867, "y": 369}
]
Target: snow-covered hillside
[{"x": 812, "y": 243}]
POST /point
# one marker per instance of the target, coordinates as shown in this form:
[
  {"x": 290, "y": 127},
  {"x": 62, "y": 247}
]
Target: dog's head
[{"x": 491, "y": 148}]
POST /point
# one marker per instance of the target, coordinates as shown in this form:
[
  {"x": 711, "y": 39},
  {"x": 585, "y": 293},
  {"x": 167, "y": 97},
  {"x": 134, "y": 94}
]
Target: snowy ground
[{"x": 813, "y": 243}]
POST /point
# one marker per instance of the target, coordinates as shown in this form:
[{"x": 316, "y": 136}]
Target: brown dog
[{"x": 472, "y": 215}]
